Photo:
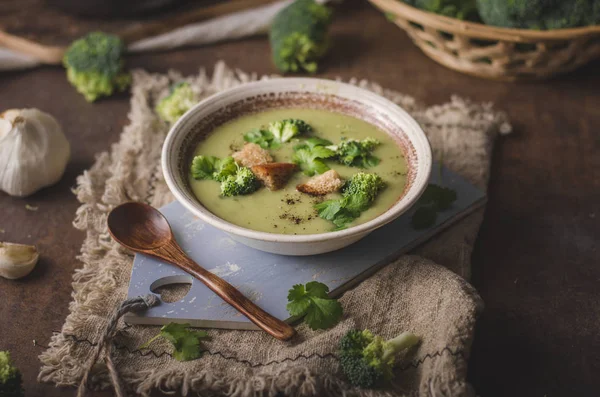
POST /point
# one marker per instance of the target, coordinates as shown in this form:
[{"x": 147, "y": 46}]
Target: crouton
[
  {"x": 274, "y": 175},
  {"x": 252, "y": 154},
  {"x": 319, "y": 185}
]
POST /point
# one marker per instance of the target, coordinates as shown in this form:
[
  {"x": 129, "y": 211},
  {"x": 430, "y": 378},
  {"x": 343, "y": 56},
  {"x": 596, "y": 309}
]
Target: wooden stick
[{"x": 53, "y": 55}]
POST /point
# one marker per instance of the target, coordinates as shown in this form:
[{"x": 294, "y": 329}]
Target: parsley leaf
[
  {"x": 210, "y": 167},
  {"x": 203, "y": 167},
  {"x": 310, "y": 154},
  {"x": 312, "y": 302},
  {"x": 435, "y": 198},
  {"x": 329, "y": 209},
  {"x": 263, "y": 138},
  {"x": 224, "y": 168},
  {"x": 186, "y": 342}
]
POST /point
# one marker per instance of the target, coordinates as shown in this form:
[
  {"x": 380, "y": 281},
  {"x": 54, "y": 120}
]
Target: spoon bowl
[
  {"x": 139, "y": 227},
  {"x": 142, "y": 228}
]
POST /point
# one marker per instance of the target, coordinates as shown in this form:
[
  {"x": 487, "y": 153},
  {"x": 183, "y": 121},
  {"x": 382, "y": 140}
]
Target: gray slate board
[{"x": 266, "y": 278}]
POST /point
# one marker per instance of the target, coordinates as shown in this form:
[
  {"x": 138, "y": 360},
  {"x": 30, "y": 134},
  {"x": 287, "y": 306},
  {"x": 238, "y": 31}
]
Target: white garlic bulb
[
  {"x": 17, "y": 260},
  {"x": 33, "y": 151}
]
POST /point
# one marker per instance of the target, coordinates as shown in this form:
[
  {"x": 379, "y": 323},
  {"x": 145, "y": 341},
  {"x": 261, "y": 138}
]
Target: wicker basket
[{"x": 492, "y": 52}]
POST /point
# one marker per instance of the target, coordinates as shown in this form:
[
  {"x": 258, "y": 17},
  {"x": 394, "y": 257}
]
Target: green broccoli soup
[{"x": 297, "y": 171}]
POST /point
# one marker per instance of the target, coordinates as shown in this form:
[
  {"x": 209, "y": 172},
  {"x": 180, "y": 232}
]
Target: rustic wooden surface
[{"x": 536, "y": 262}]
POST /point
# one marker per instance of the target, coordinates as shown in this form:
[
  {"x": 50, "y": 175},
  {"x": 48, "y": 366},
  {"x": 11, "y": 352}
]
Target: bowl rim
[{"x": 424, "y": 160}]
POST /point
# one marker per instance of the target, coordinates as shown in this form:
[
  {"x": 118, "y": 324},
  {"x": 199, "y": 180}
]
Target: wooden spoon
[{"x": 142, "y": 228}]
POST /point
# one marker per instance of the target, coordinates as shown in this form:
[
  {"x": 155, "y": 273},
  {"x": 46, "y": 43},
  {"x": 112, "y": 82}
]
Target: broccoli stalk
[
  {"x": 367, "y": 359},
  {"x": 180, "y": 100},
  {"x": 10, "y": 377},
  {"x": 94, "y": 65},
  {"x": 298, "y": 36}
]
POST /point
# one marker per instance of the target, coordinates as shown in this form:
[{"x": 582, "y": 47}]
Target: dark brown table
[{"x": 536, "y": 262}]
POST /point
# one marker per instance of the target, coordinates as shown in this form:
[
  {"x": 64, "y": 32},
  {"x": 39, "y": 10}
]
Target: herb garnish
[
  {"x": 435, "y": 199},
  {"x": 312, "y": 303},
  {"x": 185, "y": 342},
  {"x": 357, "y": 195},
  {"x": 310, "y": 154},
  {"x": 277, "y": 132}
]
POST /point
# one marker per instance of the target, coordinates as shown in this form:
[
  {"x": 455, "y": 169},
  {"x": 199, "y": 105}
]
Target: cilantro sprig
[
  {"x": 263, "y": 138},
  {"x": 310, "y": 154},
  {"x": 186, "y": 342},
  {"x": 312, "y": 302},
  {"x": 435, "y": 198},
  {"x": 211, "y": 167}
]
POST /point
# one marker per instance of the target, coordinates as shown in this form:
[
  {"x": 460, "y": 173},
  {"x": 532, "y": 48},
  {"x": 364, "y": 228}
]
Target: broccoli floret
[
  {"x": 242, "y": 182},
  {"x": 363, "y": 184},
  {"x": 539, "y": 14},
  {"x": 356, "y": 153},
  {"x": 10, "y": 377},
  {"x": 285, "y": 130},
  {"x": 367, "y": 359},
  {"x": 358, "y": 195},
  {"x": 179, "y": 101},
  {"x": 298, "y": 36},
  {"x": 94, "y": 65}
]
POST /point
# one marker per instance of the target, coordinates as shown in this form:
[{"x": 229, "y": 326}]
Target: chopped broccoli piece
[
  {"x": 285, "y": 130},
  {"x": 303, "y": 126},
  {"x": 242, "y": 182},
  {"x": 181, "y": 99},
  {"x": 364, "y": 185},
  {"x": 355, "y": 153},
  {"x": 94, "y": 65},
  {"x": 357, "y": 196},
  {"x": 298, "y": 36},
  {"x": 367, "y": 359},
  {"x": 11, "y": 384},
  {"x": 235, "y": 180}
]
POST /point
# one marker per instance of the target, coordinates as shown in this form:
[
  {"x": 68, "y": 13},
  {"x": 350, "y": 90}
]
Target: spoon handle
[{"x": 273, "y": 326}]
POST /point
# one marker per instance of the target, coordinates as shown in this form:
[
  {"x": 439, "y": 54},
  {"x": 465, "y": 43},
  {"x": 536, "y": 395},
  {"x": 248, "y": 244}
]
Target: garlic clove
[{"x": 17, "y": 260}]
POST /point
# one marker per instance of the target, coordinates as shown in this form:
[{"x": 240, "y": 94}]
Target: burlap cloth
[{"x": 413, "y": 293}]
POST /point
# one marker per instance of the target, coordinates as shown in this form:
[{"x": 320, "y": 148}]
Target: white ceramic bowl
[{"x": 302, "y": 93}]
